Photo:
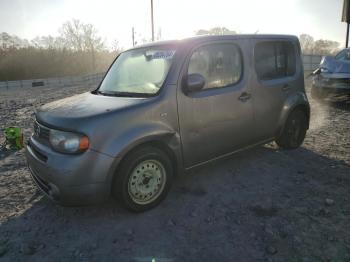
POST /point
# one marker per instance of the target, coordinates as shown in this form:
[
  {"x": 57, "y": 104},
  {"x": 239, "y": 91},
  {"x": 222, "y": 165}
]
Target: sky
[{"x": 114, "y": 19}]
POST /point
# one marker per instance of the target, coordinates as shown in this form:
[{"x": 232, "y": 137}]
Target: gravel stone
[
  {"x": 271, "y": 250},
  {"x": 329, "y": 202}
]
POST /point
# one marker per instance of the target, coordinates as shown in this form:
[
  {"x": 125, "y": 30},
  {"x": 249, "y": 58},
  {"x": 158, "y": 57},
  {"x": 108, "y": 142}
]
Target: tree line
[
  {"x": 309, "y": 45},
  {"x": 79, "y": 50}
]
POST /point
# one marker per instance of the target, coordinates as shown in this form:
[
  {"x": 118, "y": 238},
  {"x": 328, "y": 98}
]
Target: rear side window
[
  {"x": 220, "y": 64},
  {"x": 274, "y": 60}
]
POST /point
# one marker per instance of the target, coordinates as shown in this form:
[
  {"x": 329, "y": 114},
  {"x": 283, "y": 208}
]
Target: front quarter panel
[
  {"x": 140, "y": 134},
  {"x": 118, "y": 133}
]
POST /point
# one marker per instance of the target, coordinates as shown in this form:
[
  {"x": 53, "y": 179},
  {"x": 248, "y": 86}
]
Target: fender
[
  {"x": 144, "y": 134},
  {"x": 293, "y": 101}
]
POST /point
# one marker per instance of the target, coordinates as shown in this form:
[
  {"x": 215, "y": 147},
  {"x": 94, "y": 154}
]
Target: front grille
[{"x": 41, "y": 132}]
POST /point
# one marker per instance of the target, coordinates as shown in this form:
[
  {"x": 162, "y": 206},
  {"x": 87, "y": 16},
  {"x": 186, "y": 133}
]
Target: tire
[
  {"x": 294, "y": 131},
  {"x": 143, "y": 179}
]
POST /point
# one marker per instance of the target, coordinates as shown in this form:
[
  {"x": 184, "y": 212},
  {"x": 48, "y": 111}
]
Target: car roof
[{"x": 214, "y": 38}]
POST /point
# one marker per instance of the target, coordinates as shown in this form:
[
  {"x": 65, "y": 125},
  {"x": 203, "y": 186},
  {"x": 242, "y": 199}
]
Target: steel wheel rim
[{"x": 147, "y": 181}]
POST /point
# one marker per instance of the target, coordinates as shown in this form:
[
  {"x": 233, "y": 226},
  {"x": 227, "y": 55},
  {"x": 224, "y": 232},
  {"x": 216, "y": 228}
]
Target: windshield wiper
[
  {"x": 103, "y": 93},
  {"x": 123, "y": 94}
]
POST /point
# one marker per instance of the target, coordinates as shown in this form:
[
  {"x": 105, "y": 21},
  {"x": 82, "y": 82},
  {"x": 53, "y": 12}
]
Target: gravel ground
[{"x": 264, "y": 204}]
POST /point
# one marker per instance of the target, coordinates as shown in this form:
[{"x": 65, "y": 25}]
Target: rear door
[
  {"x": 274, "y": 79},
  {"x": 219, "y": 118}
]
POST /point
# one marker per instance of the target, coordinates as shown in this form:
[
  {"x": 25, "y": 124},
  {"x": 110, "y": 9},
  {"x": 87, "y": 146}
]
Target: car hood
[
  {"x": 72, "y": 112},
  {"x": 334, "y": 65}
]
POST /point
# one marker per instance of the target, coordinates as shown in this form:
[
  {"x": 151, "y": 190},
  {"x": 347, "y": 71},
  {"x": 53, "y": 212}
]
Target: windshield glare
[{"x": 139, "y": 71}]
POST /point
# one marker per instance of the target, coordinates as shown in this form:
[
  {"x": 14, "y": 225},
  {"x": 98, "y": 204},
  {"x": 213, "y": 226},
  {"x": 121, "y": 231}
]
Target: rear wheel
[
  {"x": 294, "y": 130},
  {"x": 143, "y": 179}
]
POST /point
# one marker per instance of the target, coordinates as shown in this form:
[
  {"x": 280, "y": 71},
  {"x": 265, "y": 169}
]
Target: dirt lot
[{"x": 264, "y": 204}]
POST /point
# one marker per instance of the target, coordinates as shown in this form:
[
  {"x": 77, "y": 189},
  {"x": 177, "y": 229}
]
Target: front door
[{"x": 219, "y": 118}]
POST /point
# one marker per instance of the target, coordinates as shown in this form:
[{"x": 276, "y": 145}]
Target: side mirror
[{"x": 193, "y": 83}]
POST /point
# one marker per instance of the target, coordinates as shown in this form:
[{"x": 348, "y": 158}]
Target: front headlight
[
  {"x": 325, "y": 70},
  {"x": 67, "y": 142}
]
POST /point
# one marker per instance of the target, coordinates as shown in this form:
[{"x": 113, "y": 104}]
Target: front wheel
[
  {"x": 294, "y": 130},
  {"x": 143, "y": 179}
]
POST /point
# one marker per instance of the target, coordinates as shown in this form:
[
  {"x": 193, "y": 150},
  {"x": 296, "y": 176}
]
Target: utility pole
[
  {"x": 133, "y": 36},
  {"x": 152, "y": 21},
  {"x": 347, "y": 36},
  {"x": 346, "y": 18}
]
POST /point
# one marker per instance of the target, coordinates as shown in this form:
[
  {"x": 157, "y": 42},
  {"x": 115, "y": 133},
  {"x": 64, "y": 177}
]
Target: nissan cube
[{"x": 164, "y": 108}]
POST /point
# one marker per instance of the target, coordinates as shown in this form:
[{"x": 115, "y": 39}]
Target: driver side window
[{"x": 219, "y": 64}]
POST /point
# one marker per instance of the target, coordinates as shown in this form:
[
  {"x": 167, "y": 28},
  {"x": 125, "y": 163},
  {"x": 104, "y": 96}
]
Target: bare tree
[
  {"x": 216, "y": 31},
  {"x": 48, "y": 56},
  {"x": 82, "y": 37},
  {"x": 307, "y": 43},
  {"x": 92, "y": 42},
  {"x": 48, "y": 42},
  {"x": 116, "y": 47},
  {"x": 8, "y": 41},
  {"x": 71, "y": 32},
  {"x": 5, "y": 40},
  {"x": 319, "y": 47},
  {"x": 326, "y": 47}
]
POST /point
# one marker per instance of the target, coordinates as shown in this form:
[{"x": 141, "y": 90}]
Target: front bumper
[
  {"x": 332, "y": 84},
  {"x": 70, "y": 179}
]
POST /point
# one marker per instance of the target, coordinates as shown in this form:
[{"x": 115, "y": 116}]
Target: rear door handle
[
  {"x": 285, "y": 87},
  {"x": 244, "y": 97}
]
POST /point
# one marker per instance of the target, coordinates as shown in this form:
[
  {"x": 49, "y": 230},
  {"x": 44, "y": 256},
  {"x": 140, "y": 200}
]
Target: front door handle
[
  {"x": 285, "y": 87},
  {"x": 244, "y": 97}
]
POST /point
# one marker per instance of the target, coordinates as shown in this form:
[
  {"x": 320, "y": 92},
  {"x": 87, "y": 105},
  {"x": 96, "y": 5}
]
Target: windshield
[
  {"x": 343, "y": 55},
  {"x": 138, "y": 72}
]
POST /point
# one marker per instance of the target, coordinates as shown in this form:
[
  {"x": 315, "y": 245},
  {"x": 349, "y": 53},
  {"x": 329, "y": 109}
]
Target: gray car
[
  {"x": 333, "y": 76},
  {"x": 165, "y": 108}
]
